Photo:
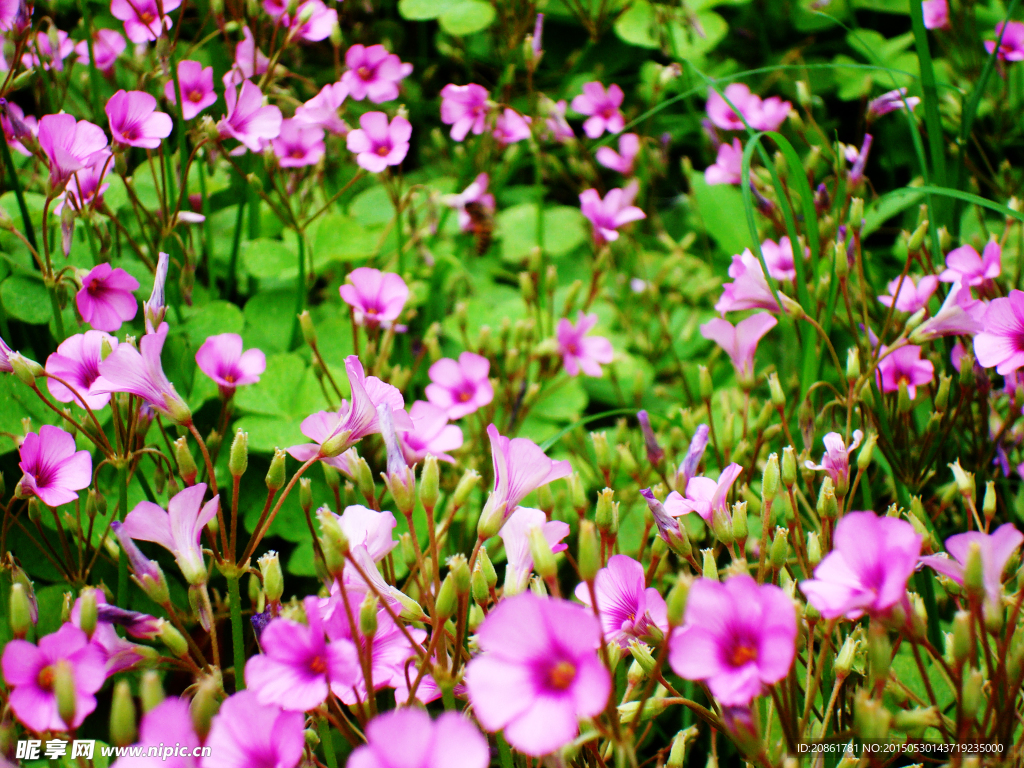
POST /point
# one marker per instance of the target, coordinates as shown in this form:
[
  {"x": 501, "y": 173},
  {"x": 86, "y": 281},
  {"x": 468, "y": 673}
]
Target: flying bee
[{"x": 481, "y": 225}]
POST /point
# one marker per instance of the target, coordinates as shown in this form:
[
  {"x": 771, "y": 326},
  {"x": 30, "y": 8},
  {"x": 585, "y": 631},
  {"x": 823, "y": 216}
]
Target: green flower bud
[
  {"x": 856, "y": 216},
  {"x": 64, "y": 690},
  {"x": 721, "y": 525},
  {"x": 879, "y": 651},
  {"x": 780, "y": 549},
  {"x": 368, "y": 616},
  {"x": 187, "y": 468},
  {"x": 333, "y": 541},
  {"x": 917, "y": 239},
  {"x": 545, "y": 499},
  {"x": 589, "y": 555},
  {"x": 870, "y": 717},
  {"x": 988, "y": 505},
  {"x": 710, "y": 568},
  {"x": 174, "y": 640},
  {"x": 466, "y": 484},
  {"x": 21, "y": 611},
  {"x": 602, "y": 451},
  {"x": 675, "y": 604},
  {"x": 275, "y": 475},
  {"x": 308, "y": 331},
  {"x": 846, "y": 656},
  {"x": 778, "y": 396},
  {"x": 408, "y": 549},
  {"x": 606, "y": 515},
  {"x": 478, "y": 585},
  {"x": 205, "y": 704},
  {"x": 151, "y": 690},
  {"x": 627, "y": 462},
  {"x": 904, "y": 403},
  {"x": 916, "y": 721},
  {"x": 739, "y": 522},
  {"x": 642, "y": 655},
  {"x": 577, "y": 493},
  {"x": 429, "y": 481},
  {"x": 306, "y": 494},
  {"x": 459, "y": 569},
  {"x": 853, "y": 363},
  {"x": 770, "y": 479},
  {"x": 974, "y": 572},
  {"x": 828, "y": 507},
  {"x": 964, "y": 480},
  {"x": 483, "y": 561},
  {"x": 707, "y": 388},
  {"x": 447, "y": 600},
  {"x": 635, "y": 675},
  {"x": 273, "y": 578},
  {"x": 677, "y": 754},
  {"x": 238, "y": 459},
  {"x": 866, "y": 451},
  {"x": 971, "y": 694},
  {"x": 788, "y": 474},
  {"x": 26, "y": 370},
  {"x": 942, "y": 395},
  {"x": 492, "y": 518},
  {"x": 122, "y": 715},
  {"x": 540, "y": 550},
  {"x": 88, "y": 611}
]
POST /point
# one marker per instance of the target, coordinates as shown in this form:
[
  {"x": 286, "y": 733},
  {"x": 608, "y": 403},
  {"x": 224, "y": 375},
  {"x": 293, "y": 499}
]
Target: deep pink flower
[
  {"x": 127, "y": 369},
  {"x": 626, "y": 609},
  {"x": 107, "y": 45},
  {"x": 890, "y": 101},
  {"x": 70, "y": 145},
  {"x": 106, "y": 299},
  {"x": 196, "y": 82},
  {"x": 510, "y": 127},
  {"x": 142, "y": 20},
  {"x": 1001, "y": 343},
  {"x": 538, "y": 672},
  {"x": 377, "y": 143},
  {"x": 515, "y": 534},
  {"x": 737, "y": 636},
  {"x": 779, "y": 258},
  {"x": 621, "y": 161},
  {"x": 247, "y": 734},
  {"x": 118, "y": 654},
  {"x": 911, "y": 296},
  {"x": 298, "y": 665},
  {"x": 17, "y": 125},
  {"x": 30, "y": 670},
  {"x": 836, "y": 459},
  {"x": 614, "y": 211},
  {"x": 749, "y": 288},
  {"x": 169, "y": 722},
  {"x": 222, "y": 359},
  {"x": 704, "y": 495},
  {"x": 53, "y": 470},
  {"x": 464, "y": 108},
  {"x": 451, "y": 741},
  {"x": 298, "y": 144},
  {"x": 322, "y": 109},
  {"x": 868, "y": 568},
  {"x": 996, "y": 550},
  {"x": 904, "y": 365},
  {"x": 461, "y": 387},
  {"x": 134, "y": 120},
  {"x": 431, "y": 433},
  {"x": 964, "y": 265},
  {"x": 603, "y": 108},
  {"x": 766, "y": 115},
  {"x": 740, "y": 341},
  {"x": 936, "y": 14},
  {"x": 41, "y": 52},
  {"x": 85, "y": 187},
  {"x": 377, "y": 298},
  {"x": 1011, "y": 48},
  {"x": 373, "y": 73},
  {"x": 960, "y": 315},
  {"x": 247, "y": 119},
  {"x": 77, "y": 361},
  {"x": 12, "y": 13},
  {"x": 728, "y": 167},
  {"x": 579, "y": 351},
  {"x": 476, "y": 193}
]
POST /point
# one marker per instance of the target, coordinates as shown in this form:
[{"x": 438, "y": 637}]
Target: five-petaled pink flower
[
  {"x": 704, "y": 495},
  {"x": 53, "y": 470},
  {"x": 579, "y": 351},
  {"x": 373, "y": 73},
  {"x": 70, "y": 145},
  {"x": 964, "y": 265},
  {"x": 538, "y": 672},
  {"x": 836, "y": 459},
  {"x": 510, "y": 127},
  {"x": 169, "y": 722},
  {"x": 322, "y": 109},
  {"x": 134, "y": 121},
  {"x": 623, "y": 160},
  {"x": 614, "y": 211},
  {"x": 451, "y": 741},
  {"x": 728, "y": 166},
  {"x": 1001, "y": 342},
  {"x": 761, "y": 115},
  {"x": 247, "y": 119},
  {"x": 298, "y": 144},
  {"x": 247, "y": 734},
  {"x": 460, "y": 387},
  {"x": 107, "y": 45},
  {"x": 1011, "y": 47},
  {"x": 142, "y": 19},
  {"x": 464, "y": 108},
  {"x": 603, "y": 108},
  {"x": 904, "y": 365},
  {"x": 515, "y": 534},
  {"x": 431, "y": 433},
  {"x": 740, "y": 341},
  {"x": 749, "y": 288},
  {"x": 779, "y": 259},
  {"x": 909, "y": 295},
  {"x": 222, "y": 359},
  {"x": 196, "y": 83},
  {"x": 376, "y": 298},
  {"x": 378, "y": 143},
  {"x": 77, "y": 362},
  {"x": 737, "y": 636},
  {"x": 106, "y": 299},
  {"x": 868, "y": 568},
  {"x": 627, "y": 608},
  {"x": 936, "y": 14},
  {"x": 995, "y": 548}
]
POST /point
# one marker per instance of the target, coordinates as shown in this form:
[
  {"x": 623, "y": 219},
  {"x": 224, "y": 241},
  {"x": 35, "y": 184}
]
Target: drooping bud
[
  {"x": 655, "y": 453},
  {"x": 122, "y": 715}
]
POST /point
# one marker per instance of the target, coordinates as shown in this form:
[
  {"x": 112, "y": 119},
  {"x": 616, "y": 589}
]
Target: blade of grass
[{"x": 930, "y": 95}]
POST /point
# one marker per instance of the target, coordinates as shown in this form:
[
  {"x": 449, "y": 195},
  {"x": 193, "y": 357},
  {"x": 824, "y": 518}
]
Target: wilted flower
[
  {"x": 376, "y": 297},
  {"x": 408, "y": 738},
  {"x": 836, "y": 459},
  {"x": 460, "y": 387},
  {"x": 614, "y": 211},
  {"x": 704, "y": 495},
  {"x": 464, "y": 108},
  {"x": 373, "y": 73},
  {"x": 515, "y": 534},
  {"x": 739, "y": 341},
  {"x": 77, "y": 362},
  {"x": 890, "y": 101},
  {"x": 579, "y": 351},
  {"x": 627, "y": 608},
  {"x": 621, "y": 161},
  {"x": 378, "y": 143},
  {"x": 196, "y": 82},
  {"x": 53, "y": 470},
  {"x": 603, "y": 108}
]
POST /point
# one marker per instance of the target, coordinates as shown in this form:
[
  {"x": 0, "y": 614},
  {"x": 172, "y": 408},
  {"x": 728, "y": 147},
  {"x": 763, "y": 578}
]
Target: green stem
[
  {"x": 238, "y": 647},
  {"x": 58, "y": 320},
  {"x": 94, "y": 82},
  {"x": 504, "y": 752},
  {"x": 235, "y": 244},
  {"x": 324, "y": 729},
  {"x": 300, "y": 293},
  {"x": 15, "y": 183},
  {"x": 122, "y": 510},
  {"x": 448, "y": 698}
]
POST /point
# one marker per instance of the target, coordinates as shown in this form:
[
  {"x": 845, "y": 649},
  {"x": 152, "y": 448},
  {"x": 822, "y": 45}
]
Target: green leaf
[
  {"x": 213, "y": 318},
  {"x": 466, "y": 17},
  {"x": 721, "y": 209},
  {"x": 372, "y": 207},
  {"x": 561, "y": 403},
  {"x": 287, "y": 389},
  {"x": 420, "y": 10},
  {"x": 268, "y": 259},
  {"x": 643, "y": 25},
  {"x": 269, "y": 316},
  {"x": 269, "y": 432},
  {"x": 26, "y": 298},
  {"x": 564, "y": 230},
  {"x": 342, "y": 238}
]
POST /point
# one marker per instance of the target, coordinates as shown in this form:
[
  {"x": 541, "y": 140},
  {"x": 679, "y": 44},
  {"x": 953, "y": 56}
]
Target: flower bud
[
  {"x": 273, "y": 579},
  {"x": 964, "y": 480},
  {"x": 589, "y": 555},
  {"x": 543, "y": 558},
  {"x": 20, "y": 611},
  {"x": 852, "y": 362},
  {"x": 988, "y": 505},
  {"x": 333, "y": 541},
  {"x": 739, "y": 522},
  {"x": 459, "y": 569},
  {"x": 870, "y": 717},
  {"x": 478, "y": 586},
  {"x": 122, "y": 715},
  {"x": 828, "y": 507},
  {"x": 770, "y": 479},
  {"x": 974, "y": 572},
  {"x": 635, "y": 675},
  {"x": 577, "y": 493},
  {"x": 707, "y": 388},
  {"x": 904, "y": 403},
  {"x": 780, "y": 549},
  {"x": 677, "y": 754},
  {"x": 483, "y": 561},
  {"x": 626, "y": 460},
  {"x": 866, "y": 452},
  {"x": 308, "y": 331},
  {"x": 961, "y": 637},
  {"x": 709, "y": 569},
  {"x": 87, "y": 611},
  {"x": 915, "y": 721},
  {"x": 368, "y": 616},
  {"x": 429, "y": 480},
  {"x": 26, "y": 370},
  {"x": 917, "y": 239},
  {"x": 778, "y": 396},
  {"x": 466, "y": 484},
  {"x": 187, "y": 468},
  {"x": 64, "y": 690},
  {"x": 879, "y": 651},
  {"x": 846, "y": 656},
  {"x": 642, "y": 655},
  {"x": 447, "y": 600},
  {"x": 151, "y": 690},
  {"x": 275, "y": 475},
  {"x": 605, "y": 516},
  {"x": 970, "y": 696},
  {"x": 602, "y": 451},
  {"x": 721, "y": 525},
  {"x": 675, "y": 604},
  {"x": 205, "y": 704},
  {"x": 238, "y": 459},
  {"x": 492, "y": 518}
]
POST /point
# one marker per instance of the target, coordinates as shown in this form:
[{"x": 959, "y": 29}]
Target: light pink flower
[
  {"x": 779, "y": 258},
  {"x": 996, "y": 549},
  {"x": 704, "y": 495},
  {"x": 5, "y": 358},
  {"x": 12, "y": 14},
  {"x": 298, "y": 144},
  {"x": 1001, "y": 343},
  {"x": 77, "y": 361},
  {"x": 373, "y": 73},
  {"x": 510, "y": 127},
  {"x": 737, "y": 636},
  {"x": 1011, "y": 48},
  {"x": 70, "y": 145},
  {"x": 247, "y": 734},
  {"x": 959, "y": 315},
  {"x": 377, "y": 298},
  {"x": 626, "y": 609},
  {"x": 728, "y": 167},
  {"x": 142, "y": 20},
  {"x": 556, "y": 125},
  {"x": 538, "y": 672},
  {"x": 603, "y": 108},
  {"x": 912, "y": 296},
  {"x": 196, "y": 82},
  {"x": 461, "y": 387},
  {"x": 740, "y": 341},
  {"x": 890, "y": 101},
  {"x": 579, "y": 351},
  {"x": 377, "y": 143},
  {"x": 247, "y": 119},
  {"x": 520, "y": 468},
  {"x": 169, "y": 722},
  {"x": 17, "y": 126},
  {"x": 322, "y": 109},
  {"x": 515, "y": 535},
  {"x": 41, "y": 53},
  {"x": 313, "y": 21},
  {"x": 464, "y": 108},
  {"x": 407, "y": 738},
  {"x": 431, "y": 433},
  {"x": 222, "y": 359},
  {"x": 904, "y": 365},
  {"x": 836, "y": 459},
  {"x": 964, "y": 265},
  {"x": 53, "y": 470},
  {"x": 373, "y": 531},
  {"x": 614, "y": 211},
  {"x": 134, "y": 120},
  {"x": 105, "y": 300},
  {"x": 749, "y": 288},
  {"x": 936, "y": 14},
  {"x": 250, "y": 61},
  {"x": 621, "y": 161},
  {"x": 107, "y": 45},
  {"x": 766, "y": 115},
  {"x": 476, "y": 193}
]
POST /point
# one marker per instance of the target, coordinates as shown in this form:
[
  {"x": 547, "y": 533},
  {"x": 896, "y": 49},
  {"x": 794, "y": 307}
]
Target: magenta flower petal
[
  {"x": 53, "y": 470},
  {"x": 222, "y": 359},
  {"x": 460, "y": 387},
  {"x": 376, "y": 297},
  {"x": 245, "y": 733},
  {"x": 106, "y": 299}
]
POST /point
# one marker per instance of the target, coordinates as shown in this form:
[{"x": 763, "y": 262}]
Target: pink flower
[
  {"x": 85, "y": 188},
  {"x": 911, "y": 296},
  {"x": 322, "y": 109},
  {"x": 70, "y": 145},
  {"x": 169, "y": 722},
  {"x": 177, "y": 529},
  {"x": 621, "y": 161},
  {"x": 127, "y": 369},
  {"x": 749, "y": 289},
  {"x": 772, "y": 114},
  {"x": 964, "y": 265},
  {"x": 890, "y": 101},
  {"x": 728, "y": 167},
  {"x": 836, "y": 459},
  {"x": 313, "y": 21},
  {"x": 936, "y": 14},
  {"x": 53, "y": 470},
  {"x": 377, "y": 298},
  {"x": 250, "y": 61},
  {"x": 538, "y": 672},
  {"x": 12, "y": 14},
  {"x": 556, "y": 125},
  {"x": 1011, "y": 48},
  {"x": 515, "y": 534},
  {"x": 30, "y": 671},
  {"x": 373, "y": 73},
  {"x": 740, "y": 342},
  {"x": 1001, "y": 343},
  {"x": 298, "y": 144},
  {"x": 704, "y": 495},
  {"x": 196, "y": 82},
  {"x": 779, "y": 258},
  {"x": 247, "y": 119},
  {"x": 868, "y": 568},
  {"x": 431, "y": 433},
  {"x": 142, "y": 19},
  {"x": 134, "y": 120},
  {"x": 511, "y": 127},
  {"x": 247, "y": 734},
  {"x": 996, "y": 549},
  {"x": 118, "y": 653},
  {"x": 603, "y": 108},
  {"x": 373, "y": 531},
  {"x": 451, "y": 741},
  {"x": 614, "y": 211},
  {"x": 42, "y": 53},
  {"x": 107, "y": 45},
  {"x": 106, "y": 299},
  {"x": 298, "y": 666},
  {"x": 5, "y": 358},
  {"x": 77, "y": 361},
  {"x": 959, "y": 315},
  {"x": 766, "y": 115},
  {"x": 580, "y": 352},
  {"x": 475, "y": 193},
  {"x": 904, "y": 365},
  {"x": 222, "y": 359},
  {"x": 377, "y": 143},
  {"x": 626, "y": 609},
  {"x": 738, "y": 637},
  {"x": 17, "y": 126},
  {"x": 462, "y": 387},
  {"x": 464, "y": 108}
]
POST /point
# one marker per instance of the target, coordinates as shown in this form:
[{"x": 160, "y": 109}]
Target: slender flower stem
[
  {"x": 324, "y": 729},
  {"x": 122, "y": 510},
  {"x": 238, "y": 647},
  {"x": 15, "y": 182}
]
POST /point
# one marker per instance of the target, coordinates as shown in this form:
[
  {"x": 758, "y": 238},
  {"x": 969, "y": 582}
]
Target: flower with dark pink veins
[
  {"x": 247, "y": 734},
  {"x": 749, "y": 288},
  {"x": 627, "y": 608},
  {"x": 298, "y": 665},
  {"x": 77, "y": 362},
  {"x": 867, "y": 571},
  {"x": 728, "y": 166},
  {"x": 196, "y": 82},
  {"x": 515, "y": 534},
  {"x": 373, "y": 73},
  {"x": 538, "y": 672},
  {"x": 704, "y": 495},
  {"x": 890, "y": 101},
  {"x": 965, "y": 266},
  {"x": 736, "y": 636},
  {"x": 1011, "y": 46},
  {"x": 134, "y": 121},
  {"x": 909, "y": 295},
  {"x": 614, "y": 211},
  {"x": 53, "y": 470},
  {"x": 107, "y": 45},
  {"x": 465, "y": 109},
  {"x": 322, "y": 110},
  {"x": 431, "y": 433},
  {"x": 623, "y": 160},
  {"x": 107, "y": 299},
  {"x": 603, "y": 108},
  {"x": 5, "y": 358},
  {"x": 70, "y": 145},
  {"x": 936, "y": 14},
  {"x": 376, "y": 298},
  {"x": 995, "y": 548},
  {"x": 460, "y": 387},
  {"x": 1001, "y": 342},
  {"x": 142, "y": 18},
  {"x": 740, "y": 341},
  {"x": 222, "y": 359},
  {"x": 378, "y": 143},
  {"x": 298, "y": 144},
  {"x": 836, "y": 459},
  {"x": 579, "y": 351},
  {"x": 510, "y": 127},
  {"x": 904, "y": 365},
  {"x": 247, "y": 119},
  {"x": 408, "y": 738},
  {"x": 169, "y": 722}
]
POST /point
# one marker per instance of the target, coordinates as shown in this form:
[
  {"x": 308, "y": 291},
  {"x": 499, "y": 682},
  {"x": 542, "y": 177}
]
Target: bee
[{"x": 481, "y": 225}]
